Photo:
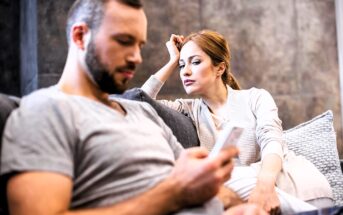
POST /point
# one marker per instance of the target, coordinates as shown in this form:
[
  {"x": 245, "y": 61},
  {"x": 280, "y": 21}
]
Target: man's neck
[
  {"x": 85, "y": 87},
  {"x": 76, "y": 81}
]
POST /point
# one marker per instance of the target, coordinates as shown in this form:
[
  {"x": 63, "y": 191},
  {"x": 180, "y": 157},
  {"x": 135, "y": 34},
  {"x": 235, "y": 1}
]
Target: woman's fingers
[{"x": 177, "y": 40}]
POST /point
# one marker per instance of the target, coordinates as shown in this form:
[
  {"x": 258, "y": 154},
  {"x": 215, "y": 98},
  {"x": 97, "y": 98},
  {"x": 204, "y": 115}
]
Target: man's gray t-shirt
[{"x": 110, "y": 157}]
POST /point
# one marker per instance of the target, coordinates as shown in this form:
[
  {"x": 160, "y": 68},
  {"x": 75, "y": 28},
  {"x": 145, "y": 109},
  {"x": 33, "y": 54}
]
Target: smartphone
[{"x": 228, "y": 136}]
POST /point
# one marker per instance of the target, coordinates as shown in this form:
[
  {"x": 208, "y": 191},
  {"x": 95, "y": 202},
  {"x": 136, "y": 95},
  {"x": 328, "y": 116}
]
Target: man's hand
[{"x": 199, "y": 178}]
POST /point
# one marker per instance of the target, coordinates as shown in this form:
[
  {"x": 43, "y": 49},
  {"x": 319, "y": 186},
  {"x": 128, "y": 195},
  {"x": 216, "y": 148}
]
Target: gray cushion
[
  {"x": 181, "y": 125},
  {"x": 7, "y": 104},
  {"x": 316, "y": 140}
]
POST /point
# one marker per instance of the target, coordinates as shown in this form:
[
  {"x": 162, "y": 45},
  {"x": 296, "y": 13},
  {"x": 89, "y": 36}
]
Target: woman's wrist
[
  {"x": 266, "y": 179},
  {"x": 173, "y": 62}
]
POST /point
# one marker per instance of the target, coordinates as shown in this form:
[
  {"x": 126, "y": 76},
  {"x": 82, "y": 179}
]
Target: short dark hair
[{"x": 91, "y": 12}]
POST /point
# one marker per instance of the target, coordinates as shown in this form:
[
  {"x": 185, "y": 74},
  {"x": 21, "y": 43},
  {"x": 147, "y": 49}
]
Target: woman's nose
[{"x": 186, "y": 71}]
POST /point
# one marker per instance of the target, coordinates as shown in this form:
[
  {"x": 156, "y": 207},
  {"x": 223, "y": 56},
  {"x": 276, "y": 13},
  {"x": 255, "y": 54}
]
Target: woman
[{"x": 204, "y": 62}]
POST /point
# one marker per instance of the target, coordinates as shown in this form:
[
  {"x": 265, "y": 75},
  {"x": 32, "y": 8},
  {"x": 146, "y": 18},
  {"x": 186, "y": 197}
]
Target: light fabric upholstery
[{"x": 316, "y": 140}]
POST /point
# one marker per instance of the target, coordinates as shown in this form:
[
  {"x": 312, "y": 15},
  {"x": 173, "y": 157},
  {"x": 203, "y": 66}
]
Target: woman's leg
[{"x": 243, "y": 180}]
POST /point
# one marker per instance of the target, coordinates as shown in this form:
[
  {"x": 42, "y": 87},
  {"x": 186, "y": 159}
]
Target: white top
[{"x": 254, "y": 109}]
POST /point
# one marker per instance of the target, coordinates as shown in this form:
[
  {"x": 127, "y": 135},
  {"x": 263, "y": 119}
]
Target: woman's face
[{"x": 197, "y": 73}]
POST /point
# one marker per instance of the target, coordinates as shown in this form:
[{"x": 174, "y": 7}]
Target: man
[{"x": 72, "y": 150}]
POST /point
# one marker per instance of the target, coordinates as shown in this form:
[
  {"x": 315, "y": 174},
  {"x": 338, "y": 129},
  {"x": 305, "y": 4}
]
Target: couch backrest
[
  {"x": 7, "y": 105},
  {"x": 182, "y": 126}
]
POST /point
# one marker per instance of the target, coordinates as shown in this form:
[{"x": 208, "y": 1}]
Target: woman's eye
[
  {"x": 181, "y": 66},
  {"x": 196, "y": 62}
]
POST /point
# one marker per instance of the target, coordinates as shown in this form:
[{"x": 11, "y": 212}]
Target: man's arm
[
  {"x": 50, "y": 194},
  {"x": 193, "y": 181}
]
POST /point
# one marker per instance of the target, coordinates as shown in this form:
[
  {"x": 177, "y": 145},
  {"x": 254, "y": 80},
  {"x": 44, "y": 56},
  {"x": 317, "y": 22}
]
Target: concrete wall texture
[{"x": 287, "y": 47}]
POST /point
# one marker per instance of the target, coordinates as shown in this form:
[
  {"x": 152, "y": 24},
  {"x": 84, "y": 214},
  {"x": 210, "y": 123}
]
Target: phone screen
[{"x": 228, "y": 136}]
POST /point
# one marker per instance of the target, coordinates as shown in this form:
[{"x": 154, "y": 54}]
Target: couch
[{"x": 314, "y": 139}]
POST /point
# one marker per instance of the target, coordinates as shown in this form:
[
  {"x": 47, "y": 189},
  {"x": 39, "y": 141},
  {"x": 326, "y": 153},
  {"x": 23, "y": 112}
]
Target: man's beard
[{"x": 101, "y": 75}]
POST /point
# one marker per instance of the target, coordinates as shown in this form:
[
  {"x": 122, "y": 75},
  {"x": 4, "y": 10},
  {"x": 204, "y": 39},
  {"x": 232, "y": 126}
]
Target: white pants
[
  {"x": 243, "y": 180},
  {"x": 211, "y": 207}
]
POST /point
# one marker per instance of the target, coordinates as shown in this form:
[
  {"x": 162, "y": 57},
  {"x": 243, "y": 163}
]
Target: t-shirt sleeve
[
  {"x": 168, "y": 133},
  {"x": 38, "y": 137}
]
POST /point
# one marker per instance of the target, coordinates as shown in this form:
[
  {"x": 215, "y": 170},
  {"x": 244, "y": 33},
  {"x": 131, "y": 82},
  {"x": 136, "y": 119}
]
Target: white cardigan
[{"x": 253, "y": 109}]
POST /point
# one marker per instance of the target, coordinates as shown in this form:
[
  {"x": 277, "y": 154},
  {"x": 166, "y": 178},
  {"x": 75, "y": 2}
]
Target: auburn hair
[{"x": 217, "y": 48}]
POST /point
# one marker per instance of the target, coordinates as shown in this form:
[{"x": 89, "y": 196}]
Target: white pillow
[{"x": 316, "y": 140}]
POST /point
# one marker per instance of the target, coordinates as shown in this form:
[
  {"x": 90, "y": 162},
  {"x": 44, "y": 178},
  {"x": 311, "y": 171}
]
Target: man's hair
[{"x": 92, "y": 12}]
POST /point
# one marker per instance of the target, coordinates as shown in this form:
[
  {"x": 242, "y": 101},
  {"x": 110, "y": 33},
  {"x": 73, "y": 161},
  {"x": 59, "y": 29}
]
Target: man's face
[{"x": 115, "y": 49}]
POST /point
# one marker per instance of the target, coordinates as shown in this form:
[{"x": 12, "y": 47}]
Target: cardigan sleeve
[
  {"x": 153, "y": 86},
  {"x": 268, "y": 125}
]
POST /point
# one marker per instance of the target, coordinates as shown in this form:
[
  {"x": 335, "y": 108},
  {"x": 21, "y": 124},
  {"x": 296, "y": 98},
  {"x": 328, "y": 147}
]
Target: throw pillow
[
  {"x": 181, "y": 125},
  {"x": 316, "y": 140}
]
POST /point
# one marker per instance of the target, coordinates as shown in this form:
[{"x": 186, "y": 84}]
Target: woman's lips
[{"x": 188, "y": 82}]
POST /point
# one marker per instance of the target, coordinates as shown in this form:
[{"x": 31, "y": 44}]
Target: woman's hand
[
  {"x": 228, "y": 197},
  {"x": 264, "y": 195},
  {"x": 174, "y": 46},
  {"x": 246, "y": 209}
]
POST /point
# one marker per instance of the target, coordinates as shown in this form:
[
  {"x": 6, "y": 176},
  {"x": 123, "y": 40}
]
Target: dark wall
[
  {"x": 9, "y": 47},
  {"x": 52, "y": 43}
]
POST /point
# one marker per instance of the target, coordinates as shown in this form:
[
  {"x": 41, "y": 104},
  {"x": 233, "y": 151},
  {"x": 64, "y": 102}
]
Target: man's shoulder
[
  {"x": 42, "y": 106},
  {"x": 48, "y": 95},
  {"x": 45, "y": 100}
]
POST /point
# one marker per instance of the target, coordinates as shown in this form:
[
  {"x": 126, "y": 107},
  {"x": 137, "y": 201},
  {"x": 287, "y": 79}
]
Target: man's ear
[{"x": 80, "y": 34}]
